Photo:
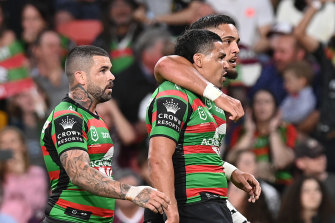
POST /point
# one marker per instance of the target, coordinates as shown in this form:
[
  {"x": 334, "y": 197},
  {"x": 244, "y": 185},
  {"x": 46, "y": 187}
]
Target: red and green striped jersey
[
  {"x": 198, "y": 127},
  {"x": 14, "y": 76},
  {"x": 70, "y": 126},
  {"x": 262, "y": 147}
]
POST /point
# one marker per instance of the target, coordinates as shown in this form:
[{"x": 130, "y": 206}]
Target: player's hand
[
  {"x": 248, "y": 183},
  {"x": 230, "y": 105},
  {"x": 172, "y": 214},
  {"x": 150, "y": 198}
]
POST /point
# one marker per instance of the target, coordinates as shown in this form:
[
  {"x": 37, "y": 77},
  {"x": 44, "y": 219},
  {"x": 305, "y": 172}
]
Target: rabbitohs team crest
[{"x": 94, "y": 134}]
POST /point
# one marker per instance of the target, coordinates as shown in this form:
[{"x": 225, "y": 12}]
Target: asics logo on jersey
[
  {"x": 171, "y": 106},
  {"x": 67, "y": 123}
]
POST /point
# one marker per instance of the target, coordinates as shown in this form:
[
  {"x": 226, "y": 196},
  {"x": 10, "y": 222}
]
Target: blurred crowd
[{"x": 286, "y": 83}]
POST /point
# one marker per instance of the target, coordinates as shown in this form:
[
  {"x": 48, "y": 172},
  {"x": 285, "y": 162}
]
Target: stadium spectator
[
  {"x": 6, "y": 36},
  {"x": 306, "y": 201},
  {"x": 25, "y": 185},
  {"x": 46, "y": 66},
  {"x": 269, "y": 138},
  {"x": 37, "y": 16},
  {"x": 127, "y": 211},
  {"x": 325, "y": 131},
  {"x": 4, "y": 218},
  {"x": 120, "y": 33},
  {"x": 267, "y": 207},
  {"x": 291, "y": 12},
  {"x": 286, "y": 50},
  {"x": 178, "y": 18},
  {"x": 298, "y": 78},
  {"x": 79, "y": 9},
  {"x": 27, "y": 111},
  {"x": 310, "y": 160}
]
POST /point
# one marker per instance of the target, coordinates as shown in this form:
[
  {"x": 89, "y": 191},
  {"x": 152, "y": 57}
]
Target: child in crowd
[{"x": 301, "y": 100}]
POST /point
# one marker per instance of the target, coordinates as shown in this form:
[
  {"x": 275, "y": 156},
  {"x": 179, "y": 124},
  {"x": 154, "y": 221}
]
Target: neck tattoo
[{"x": 82, "y": 97}]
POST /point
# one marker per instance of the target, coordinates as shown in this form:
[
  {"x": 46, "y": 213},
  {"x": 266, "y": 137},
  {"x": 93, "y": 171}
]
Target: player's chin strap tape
[
  {"x": 235, "y": 214},
  {"x": 134, "y": 191}
]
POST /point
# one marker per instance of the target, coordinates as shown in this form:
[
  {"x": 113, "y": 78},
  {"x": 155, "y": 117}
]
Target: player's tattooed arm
[
  {"x": 81, "y": 96},
  {"x": 76, "y": 165}
]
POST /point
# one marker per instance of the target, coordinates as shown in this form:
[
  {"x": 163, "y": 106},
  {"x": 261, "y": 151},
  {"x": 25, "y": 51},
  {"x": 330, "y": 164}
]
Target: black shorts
[{"x": 211, "y": 211}]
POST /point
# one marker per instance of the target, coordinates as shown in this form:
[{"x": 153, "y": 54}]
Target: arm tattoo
[
  {"x": 81, "y": 96},
  {"x": 143, "y": 197},
  {"x": 76, "y": 165}
]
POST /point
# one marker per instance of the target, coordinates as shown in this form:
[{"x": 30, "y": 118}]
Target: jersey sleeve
[
  {"x": 68, "y": 133},
  {"x": 168, "y": 114}
]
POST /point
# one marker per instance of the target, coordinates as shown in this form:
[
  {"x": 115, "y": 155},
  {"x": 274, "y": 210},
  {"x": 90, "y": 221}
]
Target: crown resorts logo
[
  {"x": 67, "y": 123},
  {"x": 171, "y": 106}
]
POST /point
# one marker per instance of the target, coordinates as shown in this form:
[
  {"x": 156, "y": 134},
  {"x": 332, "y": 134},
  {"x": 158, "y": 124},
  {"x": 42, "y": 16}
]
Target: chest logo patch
[
  {"x": 202, "y": 113},
  {"x": 94, "y": 134}
]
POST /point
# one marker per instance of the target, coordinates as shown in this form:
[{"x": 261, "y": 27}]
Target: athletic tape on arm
[
  {"x": 134, "y": 191},
  {"x": 228, "y": 169},
  {"x": 211, "y": 92}
]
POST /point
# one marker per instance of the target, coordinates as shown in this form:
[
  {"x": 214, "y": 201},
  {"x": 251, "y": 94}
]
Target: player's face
[
  {"x": 264, "y": 106},
  {"x": 311, "y": 195},
  {"x": 100, "y": 81},
  {"x": 230, "y": 38},
  {"x": 214, "y": 65}
]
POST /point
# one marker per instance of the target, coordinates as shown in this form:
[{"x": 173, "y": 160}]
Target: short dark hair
[
  {"x": 80, "y": 58},
  {"x": 302, "y": 69},
  {"x": 195, "y": 41},
  {"x": 212, "y": 21}
]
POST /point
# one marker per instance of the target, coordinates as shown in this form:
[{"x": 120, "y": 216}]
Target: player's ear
[
  {"x": 80, "y": 77},
  {"x": 197, "y": 58}
]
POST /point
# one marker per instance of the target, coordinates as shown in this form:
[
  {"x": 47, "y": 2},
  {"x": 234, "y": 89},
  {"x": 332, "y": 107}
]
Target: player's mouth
[
  {"x": 109, "y": 86},
  {"x": 233, "y": 61},
  {"x": 223, "y": 75}
]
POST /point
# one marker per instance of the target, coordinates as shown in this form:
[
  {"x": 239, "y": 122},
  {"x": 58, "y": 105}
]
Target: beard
[
  {"x": 231, "y": 74},
  {"x": 100, "y": 94}
]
